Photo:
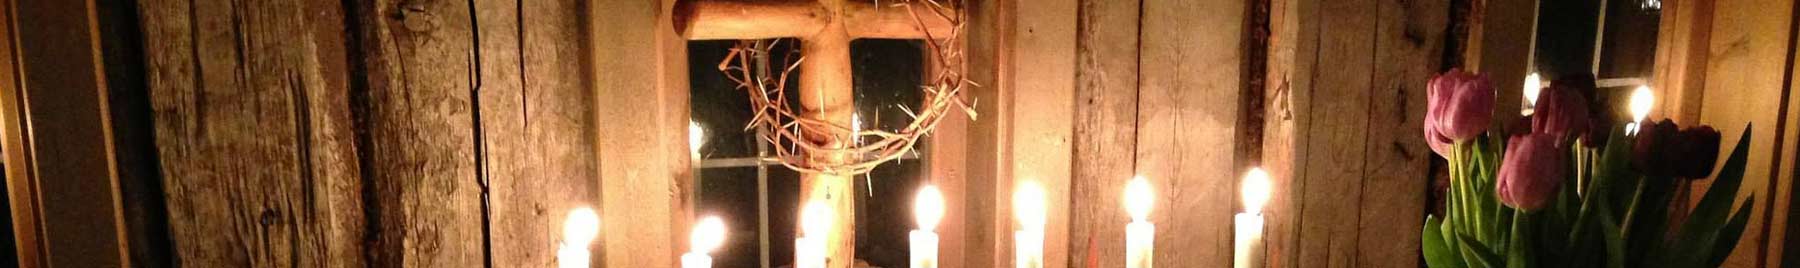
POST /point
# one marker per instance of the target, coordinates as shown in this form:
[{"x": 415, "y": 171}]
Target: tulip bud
[
  {"x": 1562, "y": 113},
  {"x": 1599, "y": 130},
  {"x": 1531, "y": 171},
  {"x": 1459, "y": 104},
  {"x": 1656, "y": 152},
  {"x": 1699, "y": 152}
]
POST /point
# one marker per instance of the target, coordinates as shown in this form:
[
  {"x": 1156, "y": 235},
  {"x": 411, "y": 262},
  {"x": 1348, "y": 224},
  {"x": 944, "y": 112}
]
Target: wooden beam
[
  {"x": 536, "y": 113},
  {"x": 1409, "y": 37},
  {"x": 424, "y": 185},
  {"x": 1105, "y": 128},
  {"x": 1191, "y": 78},
  {"x": 67, "y": 138},
  {"x": 642, "y": 115},
  {"x": 1683, "y": 40},
  {"x": 720, "y": 19},
  {"x": 1037, "y": 84},
  {"x": 262, "y": 136},
  {"x": 827, "y": 94}
]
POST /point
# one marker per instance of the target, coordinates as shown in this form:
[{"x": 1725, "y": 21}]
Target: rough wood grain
[
  {"x": 1106, "y": 99},
  {"x": 1683, "y": 42},
  {"x": 1190, "y": 81},
  {"x": 20, "y": 183},
  {"x": 947, "y": 158},
  {"x": 253, "y": 132},
  {"x": 1749, "y": 35},
  {"x": 423, "y": 182},
  {"x": 536, "y": 127},
  {"x": 1280, "y": 123},
  {"x": 1337, "y": 40},
  {"x": 987, "y": 228},
  {"x": 1409, "y": 38},
  {"x": 644, "y": 168}
]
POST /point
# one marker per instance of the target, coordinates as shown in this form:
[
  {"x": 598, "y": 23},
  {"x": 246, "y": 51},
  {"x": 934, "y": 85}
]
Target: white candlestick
[
  {"x": 809, "y": 249},
  {"x": 1140, "y": 234},
  {"x": 929, "y": 209},
  {"x": 579, "y": 231},
  {"x": 1248, "y": 240},
  {"x": 708, "y": 235},
  {"x": 1028, "y": 248}
]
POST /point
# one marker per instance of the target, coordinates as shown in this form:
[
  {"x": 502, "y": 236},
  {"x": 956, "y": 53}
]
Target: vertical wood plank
[
  {"x": 1500, "y": 45},
  {"x": 1105, "y": 124},
  {"x": 424, "y": 185},
  {"x": 1409, "y": 39},
  {"x": 644, "y": 167},
  {"x": 947, "y": 162},
  {"x": 988, "y": 190},
  {"x": 64, "y": 98},
  {"x": 1191, "y": 78},
  {"x": 1749, "y": 35},
  {"x": 536, "y": 125},
  {"x": 1280, "y": 123},
  {"x": 1039, "y": 75},
  {"x": 21, "y": 193},
  {"x": 1336, "y": 78},
  {"x": 1683, "y": 43},
  {"x": 254, "y": 132}
]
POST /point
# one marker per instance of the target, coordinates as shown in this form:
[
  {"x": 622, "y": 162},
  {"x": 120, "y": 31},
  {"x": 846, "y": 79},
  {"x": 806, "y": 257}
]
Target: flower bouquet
[{"x": 1562, "y": 188}]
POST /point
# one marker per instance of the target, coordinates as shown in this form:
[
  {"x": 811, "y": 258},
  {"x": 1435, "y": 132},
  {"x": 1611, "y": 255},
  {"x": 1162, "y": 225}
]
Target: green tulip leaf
[
  {"x": 1437, "y": 253},
  {"x": 1711, "y": 214},
  {"x": 1615, "y": 245},
  {"x": 1728, "y": 237},
  {"x": 1480, "y": 255}
]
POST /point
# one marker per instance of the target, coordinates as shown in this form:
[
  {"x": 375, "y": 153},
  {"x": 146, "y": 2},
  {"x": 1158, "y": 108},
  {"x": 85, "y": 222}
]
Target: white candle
[
  {"x": 1028, "y": 204},
  {"x": 929, "y": 209},
  {"x": 1533, "y": 84},
  {"x": 1642, "y": 100},
  {"x": 815, "y": 224},
  {"x": 579, "y": 231},
  {"x": 1249, "y": 244},
  {"x": 707, "y": 236},
  {"x": 1140, "y": 235}
]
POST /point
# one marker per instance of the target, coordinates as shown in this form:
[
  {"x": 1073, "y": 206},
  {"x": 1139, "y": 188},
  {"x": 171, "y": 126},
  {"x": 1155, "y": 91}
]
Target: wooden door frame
[{"x": 55, "y": 124}]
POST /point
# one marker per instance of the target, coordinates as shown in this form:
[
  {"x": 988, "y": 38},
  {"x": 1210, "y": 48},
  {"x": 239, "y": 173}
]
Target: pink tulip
[
  {"x": 1532, "y": 171},
  {"x": 1459, "y": 107},
  {"x": 1562, "y": 113}
]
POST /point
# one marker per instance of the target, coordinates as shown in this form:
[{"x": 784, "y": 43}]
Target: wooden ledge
[{"x": 727, "y": 19}]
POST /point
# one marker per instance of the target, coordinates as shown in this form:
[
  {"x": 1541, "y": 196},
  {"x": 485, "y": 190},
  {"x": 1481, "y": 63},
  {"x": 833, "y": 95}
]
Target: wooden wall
[
  {"x": 382, "y": 133},
  {"x": 1346, "y": 98},
  {"x": 1727, "y": 64}
]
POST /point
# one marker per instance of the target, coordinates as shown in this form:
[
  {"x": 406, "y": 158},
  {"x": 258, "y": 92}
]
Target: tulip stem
[{"x": 1631, "y": 212}]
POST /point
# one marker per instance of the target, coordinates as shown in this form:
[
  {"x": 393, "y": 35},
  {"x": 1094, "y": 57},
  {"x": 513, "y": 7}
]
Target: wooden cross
[{"x": 825, "y": 29}]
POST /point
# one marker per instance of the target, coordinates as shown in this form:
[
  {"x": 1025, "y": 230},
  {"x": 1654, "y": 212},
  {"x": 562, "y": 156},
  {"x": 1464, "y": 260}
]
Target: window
[{"x": 760, "y": 198}]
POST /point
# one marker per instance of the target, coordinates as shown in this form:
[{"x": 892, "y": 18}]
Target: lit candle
[
  {"x": 708, "y": 235},
  {"x": 1139, "y": 234},
  {"x": 815, "y": 224},
  {"x": 1249, "y": 240},
  {"x": 579, "y": 231},
  {"x": 1028, "y": 203},
  {"x": 1642, "y": 100},
  {"x": 929, "y": 207},
  {"x": 1533, "y": 84}
]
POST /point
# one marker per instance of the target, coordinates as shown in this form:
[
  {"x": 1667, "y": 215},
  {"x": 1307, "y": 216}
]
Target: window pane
[
  {"x": 888, "y": 74},
  {"x": 717, "y": 104}
]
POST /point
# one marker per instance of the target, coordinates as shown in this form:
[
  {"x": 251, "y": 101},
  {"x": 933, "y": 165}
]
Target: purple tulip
[
  {"x": 1531, "y": 172},
  {"x": 1657, "y": 151},
  {"x": 1459, "y": 107},
  {"x": 1562, "y": 113},
  {"x": 1699, "y": 152}
]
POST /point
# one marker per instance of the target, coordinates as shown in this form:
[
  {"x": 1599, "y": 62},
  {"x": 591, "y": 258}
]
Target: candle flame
[
  {"x": 1642, "y": 100},
  {"x": 581, "y": 227},
  {"x": 708, "y": 235},
  {"x": 929, "y": 207},
  {"x": 1533, "y": 84},
  {"x": 696, "y": 137},
  {"x": 1028, "y": 204},
  {"x": 1139, "y": 198},
  {"x": 1256, "y": 190},
  {"x": 815, "y": 219}
]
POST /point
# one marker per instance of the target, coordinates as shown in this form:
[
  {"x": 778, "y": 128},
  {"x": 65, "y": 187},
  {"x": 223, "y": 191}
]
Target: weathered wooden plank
[
  {"x": 535, "y": 115},
  {"x": 1105, "y": 124},
  {"x": 424, "y": 185},
  {"x": 987, "y": 228},
  {"x": 1749, "y": 35},
  {"x": 254, "y": 132},
  {"x": 1683, "y": 42},
  {"x": 947, "y": 158},
  {"x": 644, "y": 165},
  {"x": 1280, "y": 123},
  {"x": 1191, "y": 78},
  {"x": 1333, "y": 118},
  {"x": 1038, "y": 72},
  {"x": 1409, "y": 39}
]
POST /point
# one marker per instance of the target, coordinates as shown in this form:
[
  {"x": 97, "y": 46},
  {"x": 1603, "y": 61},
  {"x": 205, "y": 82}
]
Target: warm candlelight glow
[
  {"x": 1028, "y": 204},
  {"x": 696, "y": 137},
  {"x": 581, "y": 227},
  {"x": 1139, "y": 198},
  {"x": 1256, "y": 190},
  {"x": 708, "y": 235},
  {"x": 815, "y": 219},
  {"x": 929, "y": 208},
  {"x": 1642, "y": 100},
  {"x": 1533, "y": 84}
]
